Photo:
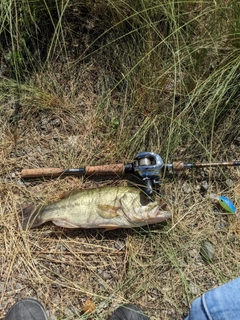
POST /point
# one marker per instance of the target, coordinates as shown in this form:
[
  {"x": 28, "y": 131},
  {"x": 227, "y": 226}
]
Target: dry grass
[
  {"x": 88, "y": 101},
  {"x": 158, "y": 268}
]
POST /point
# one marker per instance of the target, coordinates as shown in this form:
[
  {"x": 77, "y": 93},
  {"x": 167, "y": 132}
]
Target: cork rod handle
[
  {"x": 117, "y": 169},
  {"x": 105, "y": 169},
  {"x": 41, "y": 172}
]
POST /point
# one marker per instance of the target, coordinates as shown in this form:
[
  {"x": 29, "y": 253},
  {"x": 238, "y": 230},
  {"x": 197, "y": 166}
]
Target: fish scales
[{"x": 105, "y": 207}]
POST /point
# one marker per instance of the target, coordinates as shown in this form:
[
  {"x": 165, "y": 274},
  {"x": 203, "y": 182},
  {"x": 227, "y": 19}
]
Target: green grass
[{"x": 85, "y": 82}]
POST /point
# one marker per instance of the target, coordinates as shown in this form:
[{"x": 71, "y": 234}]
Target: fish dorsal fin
[
  {"x": 67, "y": 194},
  {"x": 107, "y": 211}
]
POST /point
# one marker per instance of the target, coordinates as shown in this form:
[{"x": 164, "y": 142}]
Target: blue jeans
[{"x": 222, "y": 303}]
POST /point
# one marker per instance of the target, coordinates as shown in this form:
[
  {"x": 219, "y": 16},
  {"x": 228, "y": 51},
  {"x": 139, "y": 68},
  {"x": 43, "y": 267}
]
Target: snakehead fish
[{"x": 105, "y": 207}]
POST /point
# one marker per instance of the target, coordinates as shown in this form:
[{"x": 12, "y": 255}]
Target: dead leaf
[{"x": 88, "y": 306}]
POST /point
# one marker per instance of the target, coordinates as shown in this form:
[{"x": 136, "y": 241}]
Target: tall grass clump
[
  {"x": 178, "y": 68},
  {"x": 170, "y": 69}
]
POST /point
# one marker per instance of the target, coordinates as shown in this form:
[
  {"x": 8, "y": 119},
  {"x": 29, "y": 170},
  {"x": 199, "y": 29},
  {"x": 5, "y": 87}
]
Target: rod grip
[
  {"x": 117, "y": 169},
  {"x": 41, "y": 172}
]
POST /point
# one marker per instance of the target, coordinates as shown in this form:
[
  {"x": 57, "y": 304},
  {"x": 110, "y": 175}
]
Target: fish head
[
  {"x": 143, "y": 211},
  {"x": 156, "y": 214}
]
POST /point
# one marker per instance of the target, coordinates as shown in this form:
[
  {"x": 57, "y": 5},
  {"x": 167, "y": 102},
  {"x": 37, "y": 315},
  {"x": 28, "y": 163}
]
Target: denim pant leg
[{"x": 222, "y": 303}]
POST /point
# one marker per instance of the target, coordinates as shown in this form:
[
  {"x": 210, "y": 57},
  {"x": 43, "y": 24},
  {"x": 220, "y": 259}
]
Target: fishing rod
[{"x": 147, "y": 165}]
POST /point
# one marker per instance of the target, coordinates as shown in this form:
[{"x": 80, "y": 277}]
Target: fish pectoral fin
[
  {"x": 109, "y": 227},
  {"x": 127, "y": 209},
  {"x": 64, "y": 224},
  {"x": 107, "y": 211}
]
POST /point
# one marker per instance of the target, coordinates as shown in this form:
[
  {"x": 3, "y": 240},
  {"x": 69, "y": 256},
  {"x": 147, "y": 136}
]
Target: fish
[
  {"x": 105, "y": 207},
  {"x": 225, "y": 203}
]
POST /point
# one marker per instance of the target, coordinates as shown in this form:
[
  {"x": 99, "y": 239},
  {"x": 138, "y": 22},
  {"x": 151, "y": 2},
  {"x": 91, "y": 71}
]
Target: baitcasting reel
[{"x": 148, "y": 166}]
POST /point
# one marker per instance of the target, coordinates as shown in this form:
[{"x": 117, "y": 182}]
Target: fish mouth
[{"x": 158, "y": 215}]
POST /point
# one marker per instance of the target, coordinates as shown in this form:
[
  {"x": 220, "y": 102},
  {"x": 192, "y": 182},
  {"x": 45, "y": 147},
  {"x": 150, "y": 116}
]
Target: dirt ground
[{"x": 159, "y": 268}]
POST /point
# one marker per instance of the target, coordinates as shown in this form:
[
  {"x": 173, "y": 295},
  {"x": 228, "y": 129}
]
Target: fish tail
[{"x": 31, "y": 216}]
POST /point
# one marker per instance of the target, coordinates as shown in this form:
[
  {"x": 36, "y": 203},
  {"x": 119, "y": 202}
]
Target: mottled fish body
[{"x": 106, "y": 207}]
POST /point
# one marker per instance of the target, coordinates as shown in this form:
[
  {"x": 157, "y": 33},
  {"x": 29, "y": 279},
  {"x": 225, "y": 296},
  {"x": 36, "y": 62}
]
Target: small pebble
[
  {"x": 155, "y": 292},
  {"x": 229, "y": 183},
  {"x": 193, "y": 253},
  {"x": 221, "y": 225},
  {"x": 56, "y": 123},
  {"x": 193, "y": 288},
  {"x": 207, "y": 251},
  {"x": 204, "y": 186},
  {"x": 186, "y": 187},
  {"x": 119, "y": 245},
  {"x": 69, "y": 312},
  {"x": 5, "y": 180},
  {"x": 18, "y": 286},
  {"x": 188, "y": 202},
  {"x": 20, "y": 183},
  {"x": 106, "y": 275}
]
